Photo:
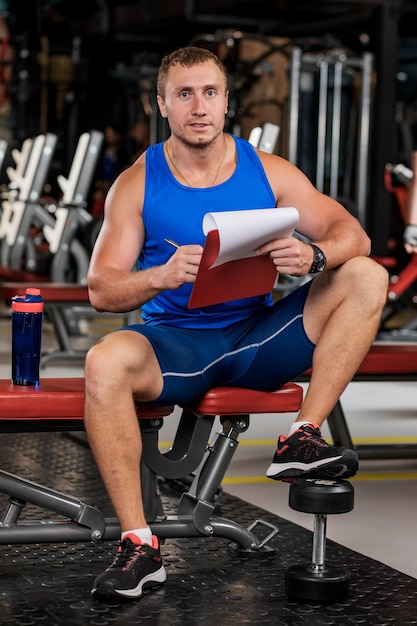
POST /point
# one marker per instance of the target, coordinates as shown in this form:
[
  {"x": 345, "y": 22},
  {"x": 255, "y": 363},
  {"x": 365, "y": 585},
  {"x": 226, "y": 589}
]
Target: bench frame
[{"x": 192, "y": 457}]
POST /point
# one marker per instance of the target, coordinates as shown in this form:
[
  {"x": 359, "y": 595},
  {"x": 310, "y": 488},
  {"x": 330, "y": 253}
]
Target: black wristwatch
[{"x": 319, "y": 262}]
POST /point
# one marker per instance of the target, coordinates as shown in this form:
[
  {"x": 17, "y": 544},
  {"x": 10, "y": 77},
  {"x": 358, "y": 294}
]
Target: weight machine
[
  {"x": 324, "y": 113},
  {"x": 59, "y": 224},
  {"x": 27, "y": 181}
]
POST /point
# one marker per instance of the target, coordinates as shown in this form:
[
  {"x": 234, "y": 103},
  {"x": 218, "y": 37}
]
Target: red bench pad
[
  {"x": 64, "y": 398},
  {"x": 236, "y": 401},
  {"x": 390, "y": 359},
  {"x": 55, "y": 398}
]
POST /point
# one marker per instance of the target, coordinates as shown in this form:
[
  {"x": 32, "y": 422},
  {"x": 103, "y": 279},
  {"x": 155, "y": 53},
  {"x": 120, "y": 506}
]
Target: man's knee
[
  {"x": 364, "y": 274},
  {"x": 364, "y": 265},
  {"x": 124, "y": 360},
  {"x": 115, "y": 353},
  {"x": 360, "y": 280}
]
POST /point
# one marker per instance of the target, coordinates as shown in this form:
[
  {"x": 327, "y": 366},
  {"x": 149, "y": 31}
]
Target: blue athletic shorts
[{"x": 261, "y": 352}]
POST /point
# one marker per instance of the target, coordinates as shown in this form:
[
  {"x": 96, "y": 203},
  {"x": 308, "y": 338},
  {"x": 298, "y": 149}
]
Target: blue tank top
[{"x": 174, "y": 211}]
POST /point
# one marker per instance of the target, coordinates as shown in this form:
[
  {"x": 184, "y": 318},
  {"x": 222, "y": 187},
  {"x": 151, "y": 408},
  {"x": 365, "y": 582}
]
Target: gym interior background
[
  {"x": 339, "y": 78},
  {"x": 81, "y": 65}
]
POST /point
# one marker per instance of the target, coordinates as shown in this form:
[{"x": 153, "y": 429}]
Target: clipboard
[{"x": 229, "y": 268}]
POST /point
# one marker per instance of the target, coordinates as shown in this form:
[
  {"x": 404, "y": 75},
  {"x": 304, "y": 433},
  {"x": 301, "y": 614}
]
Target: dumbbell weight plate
[
  {"x": 321, "y": 496},
  {"x": 329, "y": 584}
]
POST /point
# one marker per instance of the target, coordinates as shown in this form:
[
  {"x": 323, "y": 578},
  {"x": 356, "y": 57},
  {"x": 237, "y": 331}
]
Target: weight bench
[
  {"x": 60, "y": 299},
  {"x": 383, "y": 363},
  {"x": 58, "y": 405},
  {"x": 387, "y": 362}
]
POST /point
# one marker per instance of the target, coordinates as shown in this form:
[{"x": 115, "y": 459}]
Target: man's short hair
[{"x": 187, "y": 57}]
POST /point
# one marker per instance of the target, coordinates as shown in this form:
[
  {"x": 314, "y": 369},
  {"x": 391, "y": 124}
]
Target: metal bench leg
[
  {"x": 339, "y": 428},
  {"x": 85, "y": 523},
  {"x": 199, "y": 500}
]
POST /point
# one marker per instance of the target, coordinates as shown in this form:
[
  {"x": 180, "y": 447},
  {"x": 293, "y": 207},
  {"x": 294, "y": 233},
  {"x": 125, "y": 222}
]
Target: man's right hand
[{"x": 182, "y": 266}]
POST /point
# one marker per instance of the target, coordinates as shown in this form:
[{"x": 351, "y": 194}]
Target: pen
[{"x": 172, "y": 243}]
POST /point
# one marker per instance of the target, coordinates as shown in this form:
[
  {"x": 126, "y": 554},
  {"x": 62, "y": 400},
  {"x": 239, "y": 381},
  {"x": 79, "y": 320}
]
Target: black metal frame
[{"x": 191, "y": 456}]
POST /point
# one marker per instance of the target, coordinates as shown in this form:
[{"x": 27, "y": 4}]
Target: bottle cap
[{"x": 31, "y": 302}]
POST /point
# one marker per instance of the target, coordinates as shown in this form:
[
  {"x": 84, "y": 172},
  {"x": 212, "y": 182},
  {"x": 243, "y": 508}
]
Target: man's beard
[{"x": 198, "y": 145}]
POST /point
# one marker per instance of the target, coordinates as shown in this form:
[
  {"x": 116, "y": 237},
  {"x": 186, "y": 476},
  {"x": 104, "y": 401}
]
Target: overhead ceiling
[{"x": 165, "y": 24}]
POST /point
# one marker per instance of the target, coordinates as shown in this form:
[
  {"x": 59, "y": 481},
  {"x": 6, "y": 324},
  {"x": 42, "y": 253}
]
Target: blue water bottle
[{"x": 26, "y": 337}]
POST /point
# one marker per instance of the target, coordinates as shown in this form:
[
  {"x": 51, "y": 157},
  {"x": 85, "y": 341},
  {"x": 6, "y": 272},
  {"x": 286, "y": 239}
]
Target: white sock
[
  {"x": 144, "y": 534},
  {"x": 295, "y": 426}
]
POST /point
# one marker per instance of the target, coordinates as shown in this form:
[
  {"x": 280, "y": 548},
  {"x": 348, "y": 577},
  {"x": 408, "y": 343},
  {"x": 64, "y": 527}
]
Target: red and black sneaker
[
  {"x": 306, "y": 453},
  {"x": 136, "y": 567}
]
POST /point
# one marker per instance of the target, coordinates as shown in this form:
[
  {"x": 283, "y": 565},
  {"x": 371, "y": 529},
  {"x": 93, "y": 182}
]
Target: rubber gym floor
[{"x": 207, "y": 582}]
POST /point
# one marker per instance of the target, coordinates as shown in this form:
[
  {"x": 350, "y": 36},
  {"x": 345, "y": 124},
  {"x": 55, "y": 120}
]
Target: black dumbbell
[{"x": 317, "y": 581}]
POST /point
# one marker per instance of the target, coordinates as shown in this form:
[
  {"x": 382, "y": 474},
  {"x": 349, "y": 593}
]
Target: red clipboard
[{"x": 240, "y": 278}]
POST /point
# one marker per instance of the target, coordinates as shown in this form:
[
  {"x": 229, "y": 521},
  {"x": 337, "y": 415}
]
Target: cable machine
[{"x": 330, "y": 111}]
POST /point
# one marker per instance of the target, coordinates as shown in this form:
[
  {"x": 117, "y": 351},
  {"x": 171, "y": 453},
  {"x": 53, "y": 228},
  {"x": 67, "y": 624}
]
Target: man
[{"x": 178, "y": 353}]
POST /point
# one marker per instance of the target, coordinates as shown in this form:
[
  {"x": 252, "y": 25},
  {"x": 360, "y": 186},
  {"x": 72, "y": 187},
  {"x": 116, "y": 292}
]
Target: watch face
[{"x": 321, "y": 264}]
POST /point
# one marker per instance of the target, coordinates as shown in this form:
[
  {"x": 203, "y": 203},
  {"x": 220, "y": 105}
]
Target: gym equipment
[
  {"x": 27, "y": 180},
  {"x": 265, "y": 137},
  {"x": 401, "y": 290},
  {"x": 58, "y": 405},
  {"x": 318, "y": 582},
  {"x": 70, "y": 214},
  {"x": 340, "y": 165},
  {"x": 3, "y": 151},
  {"x": 64, "y": 303},
  {"x": 59, "y": 224}
]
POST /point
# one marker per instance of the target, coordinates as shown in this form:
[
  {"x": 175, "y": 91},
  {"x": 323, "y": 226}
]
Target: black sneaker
[
  {"x": 135, "y": 568},
  {"x": 305, "y": 452}
]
